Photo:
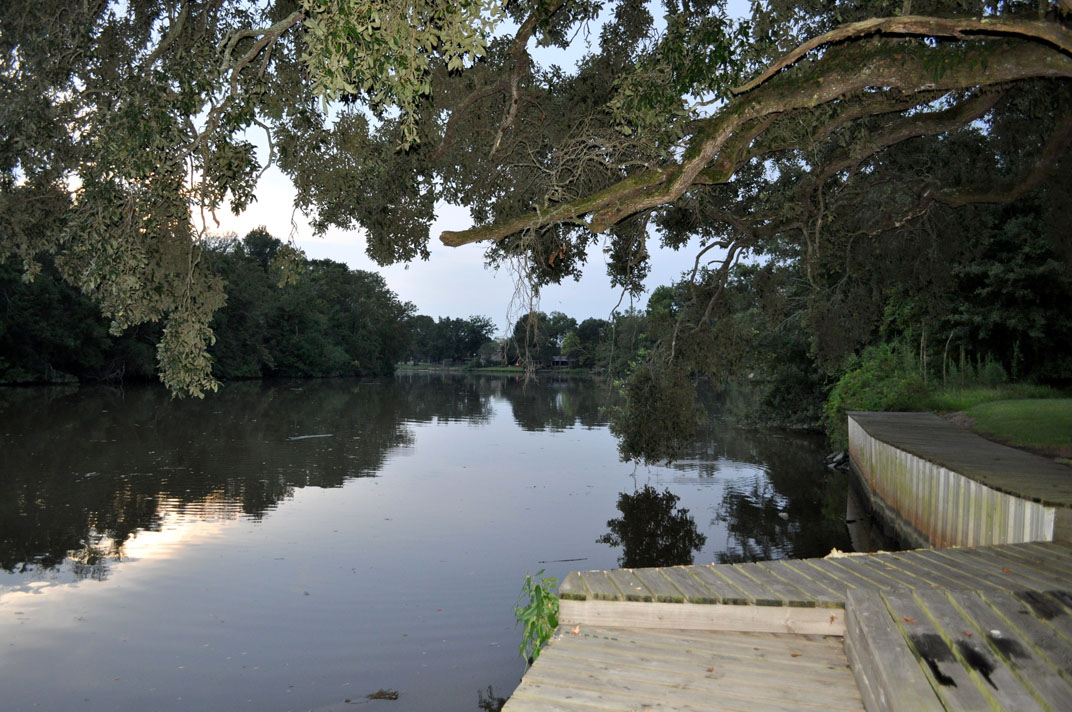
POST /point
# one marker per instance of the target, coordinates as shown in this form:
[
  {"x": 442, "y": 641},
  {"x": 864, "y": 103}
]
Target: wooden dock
[
  {"x": 958, "y": 629},
  {"x": 941, "y": 485}
]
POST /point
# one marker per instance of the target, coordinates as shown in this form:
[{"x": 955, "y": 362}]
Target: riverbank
[{"x": 493, "y": 370}]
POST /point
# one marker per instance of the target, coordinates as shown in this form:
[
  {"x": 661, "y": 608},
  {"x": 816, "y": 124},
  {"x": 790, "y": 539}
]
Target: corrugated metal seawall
[{"x": 945, "y": 507}]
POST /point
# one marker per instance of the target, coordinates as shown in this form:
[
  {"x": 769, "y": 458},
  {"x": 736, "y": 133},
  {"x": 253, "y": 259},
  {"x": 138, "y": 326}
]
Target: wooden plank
[
  {"x": 893, "y": 673},
  {"x": 598, "y": 689},
  {"x": 659, "y": 586},
  {"x": 846, "y": 577},
  {"x": 1039, "y": 568},
  {"x": 995, "y": 571},
  {"x": 971, "y": 574},
  {"x": 1016, "y": 650},
  {"x": 758, "y": 595},
  {"x": 1041, "y": 557},
  {"x": 820, "y": 595},
  {"x": 851, "y": 564},
  {"x": 1016, "y": 570},
  {"x": 790, "y": 595},
  {"x": 630, "y": 586},
  {"x": 1045, "y": 641},
  {"x": 903, "y": 572},
  {"x": 694, "y": 591},
  {"x": 1048, "y": 607},
  {"x": 791, "y": 656},
  {"x": 599, "y": 587},
  {"x": 572, "y": 587},
  {"x": 863, "y": 683},
  {"x": 920, "y": 564},
  {"x": 957, "y": 686},
  {"x": 727, "y": 591},
  {"x": 604, "y": 667},
  {"x": 710, "y": 617},
  {"x": 1004, "y": 687}
]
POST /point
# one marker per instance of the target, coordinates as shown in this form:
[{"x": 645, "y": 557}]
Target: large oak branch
[{"x": 714, "y": 155}]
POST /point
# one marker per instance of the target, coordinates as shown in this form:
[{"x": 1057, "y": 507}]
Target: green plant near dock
[{"x": 538, "y": 616}]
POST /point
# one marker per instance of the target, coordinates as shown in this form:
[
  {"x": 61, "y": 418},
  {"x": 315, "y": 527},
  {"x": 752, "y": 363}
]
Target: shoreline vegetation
[{"x": 330, "y": 321}]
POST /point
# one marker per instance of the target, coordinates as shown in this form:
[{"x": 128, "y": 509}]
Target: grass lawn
[{"x": 1035, "y": 423}]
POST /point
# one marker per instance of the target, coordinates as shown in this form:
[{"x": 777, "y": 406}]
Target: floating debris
[{"x": 307, "y": 437}]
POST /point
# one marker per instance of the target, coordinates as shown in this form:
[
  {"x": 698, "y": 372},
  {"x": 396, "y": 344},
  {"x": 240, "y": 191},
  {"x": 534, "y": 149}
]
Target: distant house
[{"x": 563, "y": 362}]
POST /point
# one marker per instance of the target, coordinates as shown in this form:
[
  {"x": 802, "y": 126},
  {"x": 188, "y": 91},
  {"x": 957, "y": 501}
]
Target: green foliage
[
  {"x": 882, "y": 378},
  {"x": 384, "y": 50},
  {"x": 660, "y": 415},
  {"x": 537, "y": 612},
  {"x": 323, "y": 320},
  {"x": 867, "y": 211},
  {"x": 449, "y": 339}
]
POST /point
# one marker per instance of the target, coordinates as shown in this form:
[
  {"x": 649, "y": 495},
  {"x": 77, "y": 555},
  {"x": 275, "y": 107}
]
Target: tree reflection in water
[
  {"x": 488, "y": 701},
  {"x": 651, "y": 532}
]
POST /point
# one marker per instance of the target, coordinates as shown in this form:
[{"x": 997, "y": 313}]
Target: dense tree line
[
  {"x": 284, "y": 315},
  {"x": 450, "y": 340}
]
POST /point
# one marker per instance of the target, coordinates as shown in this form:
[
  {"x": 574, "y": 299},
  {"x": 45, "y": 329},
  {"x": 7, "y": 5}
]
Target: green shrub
[
  {"x": 882, "y": 378},
  {"x": 538, "y": 616}
]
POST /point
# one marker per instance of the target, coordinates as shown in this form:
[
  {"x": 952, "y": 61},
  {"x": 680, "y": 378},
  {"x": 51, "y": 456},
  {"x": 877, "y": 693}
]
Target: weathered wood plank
[
  {"x": 958, "y": 688},
  {"x": 660, "y": 587},
  {"x": 1049, "y": 606},
  {"x": 1056, "y": 554},
  {"x": 893, "y": 674},
  {"x": 864, "y": 684},
  {"x": 966, "y": 570},
  {"x": 1044, "y": 640},
  {"x": 695, "y": 691},
  {"x": 630, "y": 586},
  {"x": 789, "y": 594},
  {"x": 903, "y": 573},
  {"x": 1040, "y": 559},
  {"x": 673, "y": 644},
  {"x": 820, "y": 595},
  {"x": 798, "y": 666},
  {"x": 1016, "y": 651},
  {"x": 634, "y": 670},
  {"x": 915, "y": 563},
  {"x": 1017, "y": 570},
  {"x": 1004, "y": 687},
  {"x": 727, "y": 591},
  {"x": 850, "y": 565},
  {"x": 572, "y": 587},
  {"x": 757, "y": 594},
  {"x": 845, "y": 577},
  {"x": 708, "y": 617},
  {"x": 599, "y": 587},
  {"x": 694, "y": 591}
]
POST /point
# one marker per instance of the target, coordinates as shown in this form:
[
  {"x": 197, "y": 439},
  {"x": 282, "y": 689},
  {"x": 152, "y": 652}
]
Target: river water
[{"x": 303, "y": 545}]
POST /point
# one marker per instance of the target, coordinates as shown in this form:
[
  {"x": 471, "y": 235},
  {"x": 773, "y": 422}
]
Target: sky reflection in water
[{"x": 162, "y": 554}]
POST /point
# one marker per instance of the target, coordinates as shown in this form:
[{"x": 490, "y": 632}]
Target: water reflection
[
  {"x": 345, "y": 536},
  {"x": 85, "y": 470},
  {"x": 651, "y": 531}
]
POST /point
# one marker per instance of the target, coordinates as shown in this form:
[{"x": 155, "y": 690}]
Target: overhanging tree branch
[
  {"x": 919, "y": 26},
  {"x": 713, "y": 156}
]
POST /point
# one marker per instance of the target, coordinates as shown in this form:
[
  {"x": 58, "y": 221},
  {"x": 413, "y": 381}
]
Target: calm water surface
[{"x": 300, "y": 546}]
